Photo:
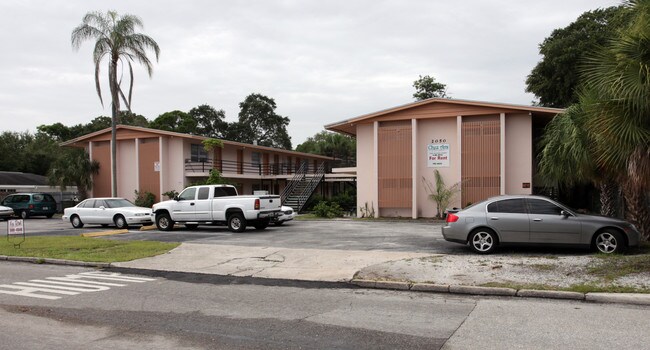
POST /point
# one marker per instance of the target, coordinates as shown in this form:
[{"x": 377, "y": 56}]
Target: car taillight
[
  {"x": 257, "y": 204},
  {"x": 452, "y": 218},
  {"x": 31, "y": 206}
]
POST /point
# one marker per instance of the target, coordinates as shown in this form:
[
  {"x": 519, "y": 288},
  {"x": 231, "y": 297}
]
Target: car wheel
[
  {"x": 164, "y": 222},
  {"x": 609, "y": 242},
  {"x": 24, "y": 214},
  {"x": 483, "y": 241},
  {"x": 120, "y": 222},
  {"x": 76, "y": 222},
  {"x": 236, "y": 222},
  {"x": 261, "y": 224},
  {"x": 279, "y": 223},
  {"x": 191, "y": 226}
]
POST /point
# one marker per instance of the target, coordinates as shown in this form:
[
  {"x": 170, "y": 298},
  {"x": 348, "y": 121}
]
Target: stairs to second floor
[{"x": 301, "y": 187}]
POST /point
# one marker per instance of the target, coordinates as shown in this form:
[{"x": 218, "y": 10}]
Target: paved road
[{"x": 185, "y": 313}]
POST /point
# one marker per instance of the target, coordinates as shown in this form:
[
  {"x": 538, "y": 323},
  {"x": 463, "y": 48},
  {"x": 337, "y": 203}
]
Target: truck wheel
[
  {"x": 236, "y": 222},
  {"x": 164, "y": 222},
  {"x": 261, "y": 224}
]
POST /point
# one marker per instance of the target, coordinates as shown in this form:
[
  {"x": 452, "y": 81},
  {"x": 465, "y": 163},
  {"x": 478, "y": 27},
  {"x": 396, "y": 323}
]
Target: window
[
  {"x": 224, "y": 191},
  {"x": 43, "y": 198},
  {"x": 508, "y": 206},
  {"x": 199, "y": 154},
  {"x": 87, "y": 203},
  {"x": 255, "y": 158},
  {"x": 204, "y": 193},
  {"x": 539, "y": 206},
  {"x": 188, "y": 194},
  {"x": 100, "y": 203}
]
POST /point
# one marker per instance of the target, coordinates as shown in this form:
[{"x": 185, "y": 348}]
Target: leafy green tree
[
  {"x": 24, "y": 152},
  {"x": 176, "y": 121},
  {"x": 427, "y": 87},
  {"x": 73, "y": 168},
  {"x": 116, "y": 40},
  {"x": 259, "y": 122},
  {"x": 332, "y": 145},
  {"x": 556, "y": 77},
  {"x": 209, "y": 121}
]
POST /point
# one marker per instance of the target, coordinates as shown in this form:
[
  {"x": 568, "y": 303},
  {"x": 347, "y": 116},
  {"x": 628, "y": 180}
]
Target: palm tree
[
  {"x": 618, "y": 79},
  {"x": 73, "y": 168},
  {"x": 567, "y": 157},
  {"x": 116, "y": 40}
]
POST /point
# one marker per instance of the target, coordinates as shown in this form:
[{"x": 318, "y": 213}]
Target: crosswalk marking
[{"x": 75, "y": 284}]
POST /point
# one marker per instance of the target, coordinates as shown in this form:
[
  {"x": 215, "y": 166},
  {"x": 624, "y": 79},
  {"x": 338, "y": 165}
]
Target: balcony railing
[{"x": 244, "y": 168}]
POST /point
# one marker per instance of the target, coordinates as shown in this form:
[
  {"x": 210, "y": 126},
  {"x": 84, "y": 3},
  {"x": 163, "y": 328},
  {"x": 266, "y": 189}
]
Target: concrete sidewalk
[{"x": 268, "y": 262}]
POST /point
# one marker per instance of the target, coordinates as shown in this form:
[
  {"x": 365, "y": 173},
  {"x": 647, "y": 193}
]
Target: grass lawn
[{"x": 85, "y": 249}]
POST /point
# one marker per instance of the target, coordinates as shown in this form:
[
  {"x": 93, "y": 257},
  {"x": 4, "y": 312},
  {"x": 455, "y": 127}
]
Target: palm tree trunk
[
  {"x": 608, "y": 198},
  {"x": 638, "y": 211},
  {"x": 115, "y": 109}
]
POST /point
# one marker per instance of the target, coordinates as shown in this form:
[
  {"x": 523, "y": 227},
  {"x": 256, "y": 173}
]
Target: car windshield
[{"x": 118, "y": 203}]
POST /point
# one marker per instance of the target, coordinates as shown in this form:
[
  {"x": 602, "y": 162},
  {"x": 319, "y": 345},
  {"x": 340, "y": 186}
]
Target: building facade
[
  {"x": 159, "y": 161},
  {"x": 486, "y": 148}
]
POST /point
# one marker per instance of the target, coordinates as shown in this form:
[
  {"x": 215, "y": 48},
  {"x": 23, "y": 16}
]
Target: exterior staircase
[{"x": 301, "y": 187}]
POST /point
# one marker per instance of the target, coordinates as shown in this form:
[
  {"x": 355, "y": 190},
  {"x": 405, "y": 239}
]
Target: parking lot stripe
[{"x": 104, "y": 233}]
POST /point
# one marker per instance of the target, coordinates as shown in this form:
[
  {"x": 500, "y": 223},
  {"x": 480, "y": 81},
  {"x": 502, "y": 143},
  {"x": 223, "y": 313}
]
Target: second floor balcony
[{"x": 229, "y": 168}]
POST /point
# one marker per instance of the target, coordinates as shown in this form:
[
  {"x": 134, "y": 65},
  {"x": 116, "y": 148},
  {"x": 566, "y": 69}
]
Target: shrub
[
  {"x": 346, "y": 200},
  {"x": 327, "y": 209},
  {"x": 144, "y": 199}
]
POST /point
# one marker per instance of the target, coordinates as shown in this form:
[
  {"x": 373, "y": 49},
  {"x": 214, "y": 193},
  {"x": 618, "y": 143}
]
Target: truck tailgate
[{"x": 270, "y": 202}]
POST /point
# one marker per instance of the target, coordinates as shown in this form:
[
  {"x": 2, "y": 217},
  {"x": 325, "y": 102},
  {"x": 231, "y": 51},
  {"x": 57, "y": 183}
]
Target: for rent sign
[{"x": 438, "y": 155}]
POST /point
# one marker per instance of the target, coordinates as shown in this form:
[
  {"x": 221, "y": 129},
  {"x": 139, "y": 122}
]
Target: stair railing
[{"x": 295, "y": 180}]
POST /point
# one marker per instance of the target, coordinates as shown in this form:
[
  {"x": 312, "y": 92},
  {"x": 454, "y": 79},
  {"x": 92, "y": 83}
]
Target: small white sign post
[{"x": 15, "y": 228}]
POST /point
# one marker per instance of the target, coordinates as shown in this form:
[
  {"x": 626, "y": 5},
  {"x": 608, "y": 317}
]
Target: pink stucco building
[
  {"x": 488, "y": 148},
  {"x": 159, "y": 161}
]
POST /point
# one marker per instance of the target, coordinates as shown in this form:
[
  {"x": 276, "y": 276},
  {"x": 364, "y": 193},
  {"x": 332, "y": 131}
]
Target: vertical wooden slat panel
[
  {"x": 395, "y": 165},
  {"x": 481, "y": 160}
]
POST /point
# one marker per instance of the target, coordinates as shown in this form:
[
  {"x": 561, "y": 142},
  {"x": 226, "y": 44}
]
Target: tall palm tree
[
  {"x": 116, "y": 40},
  {"x": 618, "y": 77}
]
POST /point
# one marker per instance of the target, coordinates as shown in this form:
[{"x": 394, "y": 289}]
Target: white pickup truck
[{"x": 216, "y": 204}]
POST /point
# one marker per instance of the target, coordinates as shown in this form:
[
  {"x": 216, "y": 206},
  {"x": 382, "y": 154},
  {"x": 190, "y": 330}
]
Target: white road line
[{"x": 69, "y": 285}]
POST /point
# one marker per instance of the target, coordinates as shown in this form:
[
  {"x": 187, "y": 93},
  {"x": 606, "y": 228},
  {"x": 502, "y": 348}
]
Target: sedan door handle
[
  {"x": 191, "y": 203},
  {"x": 537, "y": 219},
  {"x": 494, "y": 218}
]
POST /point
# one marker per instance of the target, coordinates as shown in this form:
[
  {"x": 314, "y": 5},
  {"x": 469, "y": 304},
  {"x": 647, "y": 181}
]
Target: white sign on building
[{"x": 438, "y": 155}]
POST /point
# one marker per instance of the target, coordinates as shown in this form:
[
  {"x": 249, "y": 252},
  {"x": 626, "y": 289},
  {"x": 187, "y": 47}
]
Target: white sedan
[
  {"x": 6, "y": 212},
  {"x": 107, "y": 211},
  {"x": 287, "y": 215}
]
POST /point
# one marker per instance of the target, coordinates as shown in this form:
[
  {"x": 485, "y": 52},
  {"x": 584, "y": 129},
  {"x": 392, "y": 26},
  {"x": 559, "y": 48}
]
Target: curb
[
  {"x": 55, "y": 261},
  {"x": 604, "y": 298},
  {"x": 104, "y": 233}
]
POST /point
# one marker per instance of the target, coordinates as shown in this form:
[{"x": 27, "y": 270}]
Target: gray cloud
[{"x": 322, "y": 61}]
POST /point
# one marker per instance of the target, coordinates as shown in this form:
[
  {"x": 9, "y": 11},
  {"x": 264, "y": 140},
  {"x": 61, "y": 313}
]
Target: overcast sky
[{"x": 322, "y": 61}]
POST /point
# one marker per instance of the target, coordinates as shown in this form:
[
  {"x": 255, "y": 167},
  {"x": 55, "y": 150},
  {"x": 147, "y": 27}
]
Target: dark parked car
[
  {"x": 31, "y": 204},
  {"x": 523, "y": 220}
]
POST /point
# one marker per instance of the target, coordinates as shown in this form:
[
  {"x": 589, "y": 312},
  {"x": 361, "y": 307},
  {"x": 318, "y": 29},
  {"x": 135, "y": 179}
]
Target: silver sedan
[
  {"x": 6, "y": 212},
  {"x": 524, "y": 220}
]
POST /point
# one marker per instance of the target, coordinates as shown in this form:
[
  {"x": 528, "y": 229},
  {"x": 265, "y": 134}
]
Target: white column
[
  {"x": 376, "y": 156},
  {"x": 414, "y": 169},
  {"x": 137, "y": 164},
  {"x": 502, "y": 152},
  {"x": 162, "y": 165},
  {"x": 459, "y": 146}
]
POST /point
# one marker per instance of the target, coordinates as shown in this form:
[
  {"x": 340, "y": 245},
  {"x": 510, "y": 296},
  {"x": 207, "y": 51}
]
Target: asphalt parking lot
[
  {"x": 400, "y": 236},
  {"x": 411, "y": 236}
]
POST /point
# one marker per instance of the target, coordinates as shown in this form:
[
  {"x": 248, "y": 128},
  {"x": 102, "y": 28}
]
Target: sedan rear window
[
  {"x": 538, "y": 206},
  {"x": 516, "y": 205}
]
